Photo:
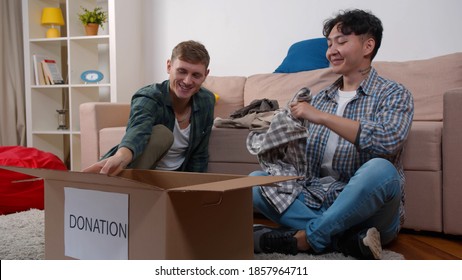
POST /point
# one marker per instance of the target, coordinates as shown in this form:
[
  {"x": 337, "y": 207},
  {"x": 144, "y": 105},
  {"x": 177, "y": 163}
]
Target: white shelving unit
[{"x": 75, "y": 53}]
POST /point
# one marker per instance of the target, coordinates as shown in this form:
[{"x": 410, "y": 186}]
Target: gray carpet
[{"x": 22, "y": 238}]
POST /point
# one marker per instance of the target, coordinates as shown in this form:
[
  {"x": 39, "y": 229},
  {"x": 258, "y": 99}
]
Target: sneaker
[
  {"x": 274, "y": 240},
  {"x": 364, "y": 245}
]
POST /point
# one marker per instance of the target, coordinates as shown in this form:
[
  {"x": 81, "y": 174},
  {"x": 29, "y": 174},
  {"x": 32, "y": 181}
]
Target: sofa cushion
[
  {"x": 109, "y": 137},
  {"x": 422, "y": 150},
  {"x": 234, "y": 150},
  {"x": 232, "y": 167},
  {"x": 423, "y": 147},
  {"x": 445, "y": 72},
  {"x": 229, "y": 145},
  {"x": 305, "y": 56},
  {"x": 282, "y": 87},
  {"x": 230, "y": 91},
  {"x": 424, "y": 201}
]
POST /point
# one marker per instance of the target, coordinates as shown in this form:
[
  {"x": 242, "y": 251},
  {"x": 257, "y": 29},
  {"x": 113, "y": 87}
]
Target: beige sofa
[{"x": 432, "y": 158}]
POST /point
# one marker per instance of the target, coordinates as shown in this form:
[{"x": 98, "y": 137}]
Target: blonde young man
[{"x": 170, "y": 122}]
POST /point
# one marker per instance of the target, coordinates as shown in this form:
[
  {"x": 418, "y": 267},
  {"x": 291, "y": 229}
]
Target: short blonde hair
[{"x": 192, "y": 52}]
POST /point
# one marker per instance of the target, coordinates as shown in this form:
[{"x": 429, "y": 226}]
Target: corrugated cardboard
[{"x": 172, "y": 215}]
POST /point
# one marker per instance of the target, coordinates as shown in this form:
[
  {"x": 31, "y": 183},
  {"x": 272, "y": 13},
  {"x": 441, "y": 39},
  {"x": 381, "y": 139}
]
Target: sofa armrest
[
  {"x": 93, "y": 117},
  {"x": 452, "y": 161}
]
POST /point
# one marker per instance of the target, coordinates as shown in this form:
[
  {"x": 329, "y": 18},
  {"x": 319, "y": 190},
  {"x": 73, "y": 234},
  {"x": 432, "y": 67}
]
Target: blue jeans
[{"x": 370, "y": 199}]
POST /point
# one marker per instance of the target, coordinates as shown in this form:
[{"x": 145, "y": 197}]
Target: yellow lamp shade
[{"x": 52, "y": 16}]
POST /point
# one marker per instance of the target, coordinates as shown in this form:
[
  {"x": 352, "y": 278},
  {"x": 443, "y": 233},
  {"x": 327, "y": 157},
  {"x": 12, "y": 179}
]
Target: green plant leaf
[{"x": 97, "y": 15}]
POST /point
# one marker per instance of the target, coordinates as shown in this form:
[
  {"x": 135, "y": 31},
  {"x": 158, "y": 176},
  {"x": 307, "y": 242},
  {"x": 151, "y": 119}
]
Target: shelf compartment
[
  {"x": 46, "y": 100},
  {"x": 35, "y": 7},
  {"x": 57, "y": 144},
  {"x": 89, "y": 54},
  {"x": 80, "y": 95},
  {"x": 52, "y": 49},
  {"x": 76, "y": 27}
]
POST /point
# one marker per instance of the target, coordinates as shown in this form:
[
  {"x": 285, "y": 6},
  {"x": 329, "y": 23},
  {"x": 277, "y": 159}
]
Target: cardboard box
[{"x": 154, "y": 214}]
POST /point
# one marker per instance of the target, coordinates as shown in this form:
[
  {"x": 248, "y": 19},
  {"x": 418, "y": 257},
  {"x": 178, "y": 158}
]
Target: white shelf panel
[
  {"x": 90, "y": 85},
  {"x": 48, "y": 40},
  {"x": 102, "y": 38},
  {"x": 52, "y": 132},
  {"x": 49, "y": 86}
]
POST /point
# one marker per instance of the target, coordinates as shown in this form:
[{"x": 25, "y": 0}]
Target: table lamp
[{"x": 52, "y": 17}]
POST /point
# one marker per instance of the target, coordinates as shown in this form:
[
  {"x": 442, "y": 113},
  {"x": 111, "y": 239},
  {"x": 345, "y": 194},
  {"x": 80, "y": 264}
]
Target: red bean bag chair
[{"x": 21, "y": 192}]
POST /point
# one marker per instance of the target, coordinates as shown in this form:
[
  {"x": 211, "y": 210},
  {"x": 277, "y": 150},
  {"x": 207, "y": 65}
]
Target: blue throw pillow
[{"x": 304, "y": 56}]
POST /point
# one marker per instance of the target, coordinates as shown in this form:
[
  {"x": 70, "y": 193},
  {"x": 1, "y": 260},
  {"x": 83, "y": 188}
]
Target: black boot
[{"x": 274, "y": 240}]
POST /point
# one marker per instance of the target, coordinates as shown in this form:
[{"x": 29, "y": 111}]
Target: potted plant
[{"x": 92, "y": 20}]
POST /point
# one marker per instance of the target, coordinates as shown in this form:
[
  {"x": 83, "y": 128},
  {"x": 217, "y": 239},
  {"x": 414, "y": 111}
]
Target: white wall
[{"x": 246, "y": 37}]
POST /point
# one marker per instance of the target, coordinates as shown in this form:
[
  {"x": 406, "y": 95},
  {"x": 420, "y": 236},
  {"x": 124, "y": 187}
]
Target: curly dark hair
[{"x": 358, "y": 22}]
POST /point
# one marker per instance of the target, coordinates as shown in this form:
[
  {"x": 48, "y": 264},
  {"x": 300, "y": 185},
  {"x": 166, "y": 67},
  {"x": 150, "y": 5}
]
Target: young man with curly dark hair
[{"x": 352, "y": 197}]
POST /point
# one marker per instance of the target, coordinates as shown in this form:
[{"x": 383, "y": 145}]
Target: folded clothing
[{"x": 256, "y": 106}]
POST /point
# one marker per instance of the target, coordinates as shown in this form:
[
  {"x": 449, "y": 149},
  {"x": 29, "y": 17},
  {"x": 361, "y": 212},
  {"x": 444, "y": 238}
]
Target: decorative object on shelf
[
  {"x": 63, "y": 113},
  {"x": 52, "y": 16},
  {"x": 91, "y": 76},
  {"x": 51, "y": 72},
  {"x": 62, "y": 119},
  {"x": 92, "y": 20}
]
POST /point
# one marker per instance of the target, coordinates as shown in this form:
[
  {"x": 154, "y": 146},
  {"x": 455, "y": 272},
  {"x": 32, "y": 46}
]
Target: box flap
[
  {"x": 238, "y": 183},
  {"x": 157, "y": 180},
  {"x": 170, "y": 180},
  {"x": 81, "y": 177}
]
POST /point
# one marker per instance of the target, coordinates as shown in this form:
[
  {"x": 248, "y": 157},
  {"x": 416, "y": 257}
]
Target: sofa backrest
[
  {"x": 236, "y": 92},
  {"x": 427, "y": 80},
  {"x": 282, "y": 87},
  {"x": 230, "y": 91}
]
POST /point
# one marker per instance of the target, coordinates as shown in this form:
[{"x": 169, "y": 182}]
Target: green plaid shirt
[{"x": 152, "y": 105}]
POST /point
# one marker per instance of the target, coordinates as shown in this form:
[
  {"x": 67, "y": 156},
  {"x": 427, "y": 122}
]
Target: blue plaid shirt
[
  {"x": 152, "y": 105},
  {"x": 385, "y": 111}
]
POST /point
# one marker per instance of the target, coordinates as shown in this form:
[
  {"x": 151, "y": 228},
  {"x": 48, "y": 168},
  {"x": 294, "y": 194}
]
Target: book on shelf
[
  {"x": 38, "y": 70},
  {"x": 46, "y": 71},
  {"x": 52, "y": 74}
]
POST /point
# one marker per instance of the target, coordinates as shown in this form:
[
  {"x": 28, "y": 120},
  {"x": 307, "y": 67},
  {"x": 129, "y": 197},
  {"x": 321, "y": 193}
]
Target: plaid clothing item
[
  {"x": 281, "y": 152},
  {"x": 385, "y": 111},
  {"x": 152, "y": 105}
]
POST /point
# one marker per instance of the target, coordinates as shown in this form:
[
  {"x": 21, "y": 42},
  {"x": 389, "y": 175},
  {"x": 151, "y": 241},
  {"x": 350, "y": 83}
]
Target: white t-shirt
[
  {"x": 327, "y": 173},
  {"x": 176, "y": 154}
]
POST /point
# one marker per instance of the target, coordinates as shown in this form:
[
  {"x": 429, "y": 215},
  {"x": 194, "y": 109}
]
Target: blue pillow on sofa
[{"x": 304, "y": 56}]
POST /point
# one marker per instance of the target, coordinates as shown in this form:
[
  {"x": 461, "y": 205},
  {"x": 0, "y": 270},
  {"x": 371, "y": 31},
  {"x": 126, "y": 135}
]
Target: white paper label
[{"x": 95, "y": 225}]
